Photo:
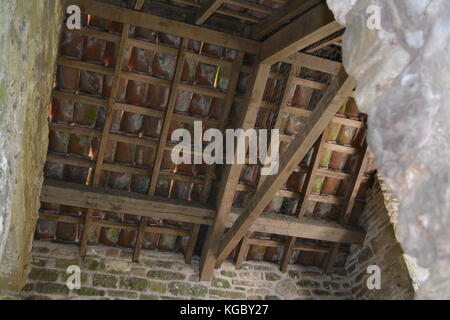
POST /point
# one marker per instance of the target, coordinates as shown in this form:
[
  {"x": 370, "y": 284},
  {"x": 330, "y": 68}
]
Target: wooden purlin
[
  {"x": 207, "y": 10},
  {"x": 160, "y": 24},
  {"x": 162, "y": 141},
  {"x": 282, "y": 16},
  {"x": 331, "y": 101},
  {"x": 315, "y": 25}
]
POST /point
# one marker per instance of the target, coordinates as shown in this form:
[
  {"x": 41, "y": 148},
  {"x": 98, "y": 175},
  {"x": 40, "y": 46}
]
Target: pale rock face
[
  {"x": 340, "y": 9},
  {"x": 403, "y": 75}
]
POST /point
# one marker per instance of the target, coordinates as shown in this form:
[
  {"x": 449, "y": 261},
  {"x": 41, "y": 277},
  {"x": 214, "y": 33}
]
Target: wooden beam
[
  {"x": 230, "y": 177},
  {"x": 323, "y": 114},
  {"x": 288, "y": 251},
  {"x": 282, "y": 16},
  {"x": 207, "y": 10},
  {"x": 242, "y": 250},
  {"x": 251, "y": 6},
  {"x": 192, "y": 243},
  {"x": 82, "y": 196},
  {"x": 156, "y": 23},
  {"x": 315, "y": 63},
  {"x": 315, "y": 25}
]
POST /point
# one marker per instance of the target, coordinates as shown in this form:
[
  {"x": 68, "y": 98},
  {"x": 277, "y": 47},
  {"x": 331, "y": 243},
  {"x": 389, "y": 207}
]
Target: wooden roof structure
[{"x": 130, "y": 77}]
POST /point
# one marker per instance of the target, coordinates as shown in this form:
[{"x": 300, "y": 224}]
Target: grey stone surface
[
  {"x": 29, "y": 36},
  {"x": 403, "y": 75}
]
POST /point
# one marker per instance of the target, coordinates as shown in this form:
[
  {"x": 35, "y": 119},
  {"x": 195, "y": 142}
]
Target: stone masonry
[
  {"x": 108, "y": 273},
  {"x": 380, "y": 248}
]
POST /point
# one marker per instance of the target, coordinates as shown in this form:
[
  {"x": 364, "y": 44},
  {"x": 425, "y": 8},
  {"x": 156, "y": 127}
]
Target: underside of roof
[{"x": 127, "y": 80}]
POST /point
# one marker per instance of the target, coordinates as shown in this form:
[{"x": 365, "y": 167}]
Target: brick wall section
[
  {"x": 380, "y": 248},
  {"x": 109, "y": 274}
]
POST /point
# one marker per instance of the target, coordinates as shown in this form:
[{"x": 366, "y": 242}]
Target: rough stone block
[
  {"x": 104, "y": 281},
  {"x": 165, "y": 275},
  {"x": 43, "y": 275},
  {"x": 187, "y": 289},
  {"x": 220, "y": 283},
  {"x": 134, "y": 284}
]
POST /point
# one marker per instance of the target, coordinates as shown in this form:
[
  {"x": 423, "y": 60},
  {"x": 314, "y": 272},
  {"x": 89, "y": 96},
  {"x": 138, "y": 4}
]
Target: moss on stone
[
  {"x": 227, "y": 294},
  {"x": 165, "y": 275},
  {"x": 220, "y": 283},
  {"x": 134, "y": 284},
  {"x": 90, "y": 292},
  {"x": 43, "y": 275},
  {"x": 187, "y": 289},
  {"x": 104, "y": 281}
]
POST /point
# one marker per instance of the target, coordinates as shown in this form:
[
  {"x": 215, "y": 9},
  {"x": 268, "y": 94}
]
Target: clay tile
[
  {"x": 116, "y": 27},
  {"x": 127, "y": 238},
  {"x": 54, "y": 170},
  {"x": 302, "y": 96},
  {"x": 75, "y": 174},
  {"x": 183, "y": 101},
  {"x": 72, "y": 45},
  {"x": 164, "y": 66},
  {"x": 120, "y": 181},
  {"x": 167, "y": 242},
  {"x": 109, "y": 236},
  {"x": 45, "y": 230},
  {"x": 167, "y": 163},
  {"x": 85, "y": 115},
  {"x": 150, "y": 241},
  {"x": 131, "y": 123},
  {"x": 66, "y": 231},
  {"x": 67, "y": 78},
  {"x": 216, "y": 109},
  {"x": 136, "y": 93},
  {"x": 145, "y": 34},
  {"x": 170, "y": 40},
  {"x": 79, "y": 145},
  {"x": 182, "y": 190},
  {"x": 212, "y": 50},
  {"x": 194, "y": 45},
  {"x": 151, "y": 127},
  {"x": 157, "y": 96},
  {"x": 200, "y": 105},
  {"x": 109, "y": 58},
  {"x": 62, "y": 110},
  {"x": 206, "y": 75},
  {"x": 91, "y": 82},
  {"x": 125, "y": 153},
  {"x": 189, "y": 69},
  {"x": 58, "y": 141},
  {"x": 141, "y": 60},
  {"x": 99, "y": 23},
  {"x": 144, "y": 156},
  {"x": 94, "y": 50},
  {"x": 140, "y": 184}
]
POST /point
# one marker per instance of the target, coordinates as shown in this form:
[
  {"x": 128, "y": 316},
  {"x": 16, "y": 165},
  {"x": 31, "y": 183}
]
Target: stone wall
[
  {"x": 108, "y": 273},
  {"x": 29, "y": 37},
  {"x": 380, "y": 248}
]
